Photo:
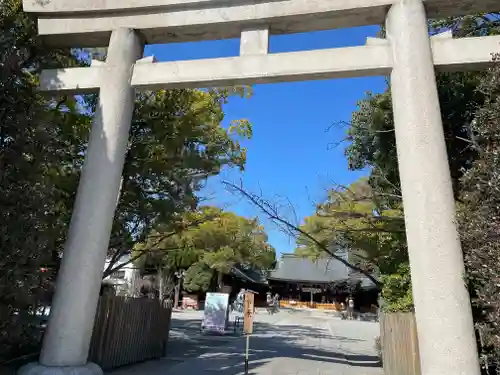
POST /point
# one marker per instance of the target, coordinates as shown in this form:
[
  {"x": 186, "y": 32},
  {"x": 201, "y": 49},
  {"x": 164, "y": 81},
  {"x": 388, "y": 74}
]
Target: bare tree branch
[
  {"x": 382, "y": 174},
  {"x": 134, "y": 258},
  {"x": 159, "y": 238},
  {"x": 338, "y": 125},
  {"x": 359, "y": 215},
  {"x": 271, "y": 211}
]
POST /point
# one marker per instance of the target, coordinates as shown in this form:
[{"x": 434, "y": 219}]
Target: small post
[
  {"x": 254, "y": 41},
  {"x": 246, "y": 353},
  {"x": 248, "y": 324}
]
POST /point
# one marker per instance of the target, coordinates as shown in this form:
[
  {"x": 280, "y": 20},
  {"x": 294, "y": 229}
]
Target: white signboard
[{"x": 216, "y": 312}]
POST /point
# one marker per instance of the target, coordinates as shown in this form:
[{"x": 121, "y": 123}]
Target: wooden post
[
  {"x": 248, "y": 323},
  {"x": 248, "y": 318}
]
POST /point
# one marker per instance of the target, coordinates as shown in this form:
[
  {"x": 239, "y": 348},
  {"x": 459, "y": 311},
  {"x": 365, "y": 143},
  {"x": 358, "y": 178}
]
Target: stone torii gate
[{"x": 445, "y": 328}]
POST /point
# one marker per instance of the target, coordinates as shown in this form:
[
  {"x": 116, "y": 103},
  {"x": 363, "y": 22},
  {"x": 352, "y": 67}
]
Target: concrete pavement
[{"x": 287, "y": 343}]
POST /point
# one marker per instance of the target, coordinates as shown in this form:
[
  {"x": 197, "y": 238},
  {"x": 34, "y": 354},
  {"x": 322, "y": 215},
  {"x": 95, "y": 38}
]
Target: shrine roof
[
  {"x": 294, "y": 268},
  {"x": 249, "y": 274}
]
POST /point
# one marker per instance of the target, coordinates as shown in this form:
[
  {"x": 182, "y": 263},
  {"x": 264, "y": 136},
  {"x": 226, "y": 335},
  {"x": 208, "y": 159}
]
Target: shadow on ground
[{"x": 225, "y": 354}]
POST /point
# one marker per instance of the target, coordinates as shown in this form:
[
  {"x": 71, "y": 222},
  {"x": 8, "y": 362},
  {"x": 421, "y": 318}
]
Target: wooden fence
[
  {"x": 398, "y": 338},
  {"x": 129, "y": 330}
]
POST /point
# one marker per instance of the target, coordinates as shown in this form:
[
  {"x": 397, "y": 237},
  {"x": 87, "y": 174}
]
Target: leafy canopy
[
  {"x": 479, "y": 219},
  {"x": 372, "y": 142},
  {"x": 218, "y": 242},
  {"x": 176, "y": 143},
  {"x": 350, "y": 219}
]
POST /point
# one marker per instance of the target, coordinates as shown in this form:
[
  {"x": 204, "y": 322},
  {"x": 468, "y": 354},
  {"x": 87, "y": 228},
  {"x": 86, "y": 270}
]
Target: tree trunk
[
  {"x": 133, "y": 284},
  {"x": 177, "y": 292},
  {"x": 176, "y": 297},
  {"x": 219, "y": 281},
  {"x": 160, "y": 284}
]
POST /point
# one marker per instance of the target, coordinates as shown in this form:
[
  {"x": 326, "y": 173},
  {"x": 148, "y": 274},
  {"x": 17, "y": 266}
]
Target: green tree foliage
[
  {"x": 373, "y": 144},
  {"x": 372, "y": 138},
  {"x": 176, "y": 142},
  {"x": 209, "y": 249},
  {"x": 479, "y": 218},
  {"x": 371, "y": 135},
  {"x": 198, "y": 278},
  {"x": 350, "y": 218},
  {"x": 396, "y": 289},
  {"x": 39, "y": 147}
]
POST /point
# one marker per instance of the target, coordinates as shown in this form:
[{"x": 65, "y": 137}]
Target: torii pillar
[
  {"x": 443, "y": 312},
  {"x": 442, "y": 303},
  {"x": 67, "y": 339}
]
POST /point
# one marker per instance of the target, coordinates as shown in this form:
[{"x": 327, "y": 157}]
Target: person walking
[
  {"x": 276, "y": 302},
  {"x": 269, "y": 297},
  {"x": 269, "y": 302},
  {"x": 350, "y": 308},
  {"x": 239, "y": 302}
]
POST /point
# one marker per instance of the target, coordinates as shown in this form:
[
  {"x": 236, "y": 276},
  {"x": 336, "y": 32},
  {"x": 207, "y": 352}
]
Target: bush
[
  {"x": 479, "y": 218},
  {"x": 396, "y": 290}
]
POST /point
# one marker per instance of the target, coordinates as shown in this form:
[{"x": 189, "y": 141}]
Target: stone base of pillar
[{"x": 35, "y": 368}]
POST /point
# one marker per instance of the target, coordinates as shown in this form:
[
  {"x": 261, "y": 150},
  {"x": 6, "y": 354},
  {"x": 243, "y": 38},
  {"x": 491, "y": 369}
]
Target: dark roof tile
[{"x": 293, "y": 267}]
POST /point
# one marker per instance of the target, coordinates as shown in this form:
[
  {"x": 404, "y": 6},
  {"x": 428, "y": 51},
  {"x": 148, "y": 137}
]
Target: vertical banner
[
  {"x": 248, "y": 311},
  {"x": 216, "y": 312}
]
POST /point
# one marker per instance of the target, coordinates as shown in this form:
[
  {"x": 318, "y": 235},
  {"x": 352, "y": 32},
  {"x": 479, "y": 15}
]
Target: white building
[{"x": 123, "y": 279}]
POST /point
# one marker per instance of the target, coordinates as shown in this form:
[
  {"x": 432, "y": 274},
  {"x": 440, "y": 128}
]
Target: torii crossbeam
[
  {"x": 374, "y": 59},
  {"x": 444, "y": 320},
  {"x": 90, "y": 22}
]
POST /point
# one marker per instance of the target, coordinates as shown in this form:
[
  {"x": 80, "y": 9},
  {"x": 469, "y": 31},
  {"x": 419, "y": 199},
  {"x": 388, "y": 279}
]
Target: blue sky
[{"x": 291, "y": 157}]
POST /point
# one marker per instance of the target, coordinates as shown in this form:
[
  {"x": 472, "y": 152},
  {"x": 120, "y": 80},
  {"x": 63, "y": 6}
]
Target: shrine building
[{"x": 322, "y": 284}]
